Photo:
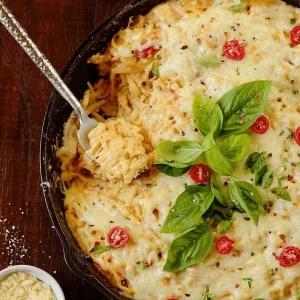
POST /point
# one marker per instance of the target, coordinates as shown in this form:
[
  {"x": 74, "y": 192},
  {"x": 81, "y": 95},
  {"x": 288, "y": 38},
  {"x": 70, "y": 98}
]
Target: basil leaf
[
  {"x": 236, "y": 147},
  {"x": 155, "y": 69},
  {"x": 209, "y": 61},
  {"x": 171, "y": 171},
  {"x": 215, "y": 158},
  {"x": 220, "y": 215},
  {"x": 189, "y": 248},
  {"x": 184, "y": 152},
  {"x": 207, "y": 115},
  {"x": 99, "y": 249},
  {"x": 224, "y": 226},
  {"x": 216, "y": 190},
  {"x": 239, "y": 7},
  {"x": 256, "y": 163},
  {"x": 246, "y": 196},
  {"x": 281, "y": 193},
  {"x": 188, "y": 209},
  {"x": 242, "y": 105},
  {"x": 267, "y": 180}
]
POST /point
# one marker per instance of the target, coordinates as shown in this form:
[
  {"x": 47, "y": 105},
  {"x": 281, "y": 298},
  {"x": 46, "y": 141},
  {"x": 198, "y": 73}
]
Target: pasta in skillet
[{"x": 118, "y": 199}]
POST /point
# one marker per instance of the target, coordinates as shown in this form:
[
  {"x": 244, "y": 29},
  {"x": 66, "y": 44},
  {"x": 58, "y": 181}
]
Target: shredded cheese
[{"x": 22, "y": 286}]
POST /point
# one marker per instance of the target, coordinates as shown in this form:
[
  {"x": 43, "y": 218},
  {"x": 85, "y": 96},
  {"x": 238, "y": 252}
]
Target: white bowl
[{"x": 38, "y": 273}]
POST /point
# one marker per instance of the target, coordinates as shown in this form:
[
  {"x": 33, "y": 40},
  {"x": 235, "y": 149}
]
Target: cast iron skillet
[{"x": 76, "y": 74}]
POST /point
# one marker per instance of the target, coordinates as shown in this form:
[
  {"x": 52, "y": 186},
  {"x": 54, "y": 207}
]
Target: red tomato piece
[
  {"x": 146, "y": 52},
  {"x": 289, "y": 256},
  {"x": 117, "y": 237},
  {"x": 295, "y": 35},
  {"x": 224, "y": 245},
  {"x": 261, "y": 125},
  {"x": 234, "y": 50},
  {"x": 200, "y": 173},
  {"x": 297, "y": 136}
]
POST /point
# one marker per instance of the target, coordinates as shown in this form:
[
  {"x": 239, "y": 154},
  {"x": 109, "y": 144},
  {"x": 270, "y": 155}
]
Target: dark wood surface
[{"x": 26, "y": 233}]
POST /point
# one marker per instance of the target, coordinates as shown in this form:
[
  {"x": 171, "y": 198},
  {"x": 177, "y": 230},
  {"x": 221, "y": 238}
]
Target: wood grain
[{"x": 26, "y": 234}]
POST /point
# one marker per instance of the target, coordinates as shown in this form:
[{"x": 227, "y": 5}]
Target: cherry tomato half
[
  {"x": 289, "y": 256},
  {"x": 295, "y": 35},
  {"x": 200, "y": 173},
  {"x": 224, "y": 245},
  {"x": 261, "y": 125},
  {"x": 297, "y": 136},
  {"x": 234, "y": 50},
  {"x": 146, "y": 52},
  {"x": 117, "y": 237}
]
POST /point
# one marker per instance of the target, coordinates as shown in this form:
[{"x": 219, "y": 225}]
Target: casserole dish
[{"x": 76, "y": 75}]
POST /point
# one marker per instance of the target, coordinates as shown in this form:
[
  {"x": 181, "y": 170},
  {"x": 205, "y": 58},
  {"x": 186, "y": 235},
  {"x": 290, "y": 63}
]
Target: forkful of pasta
[{"x": 21, "y": 36}]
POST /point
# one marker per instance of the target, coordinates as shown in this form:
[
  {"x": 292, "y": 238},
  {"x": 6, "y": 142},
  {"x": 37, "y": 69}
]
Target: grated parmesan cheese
[{"x": 22, "y": 286}]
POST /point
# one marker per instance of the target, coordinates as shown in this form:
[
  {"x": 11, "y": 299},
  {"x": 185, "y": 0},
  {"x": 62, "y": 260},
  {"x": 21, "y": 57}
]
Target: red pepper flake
[{"x": 184, "y": 47}]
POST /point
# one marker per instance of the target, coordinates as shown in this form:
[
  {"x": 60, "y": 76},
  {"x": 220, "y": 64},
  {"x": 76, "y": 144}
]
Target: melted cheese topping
[{"x": 180, "y": 32}]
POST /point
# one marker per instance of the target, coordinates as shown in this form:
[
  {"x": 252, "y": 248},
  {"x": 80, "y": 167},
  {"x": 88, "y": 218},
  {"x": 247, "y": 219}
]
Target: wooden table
[{"x": 26, "y": 233}]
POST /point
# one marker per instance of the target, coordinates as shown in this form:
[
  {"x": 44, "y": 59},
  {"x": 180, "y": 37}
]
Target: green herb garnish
[
  {"x": 209, "y": 61},
  {"x": 249, "y": 282},
  {"x": 99, "y": 249},
  {"x": 155, "y": 69},
  {"x": 239, "y": 7}
]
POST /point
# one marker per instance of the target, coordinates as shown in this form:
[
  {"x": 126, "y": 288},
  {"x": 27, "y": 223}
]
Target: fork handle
[{"x": 21, "y": 36}]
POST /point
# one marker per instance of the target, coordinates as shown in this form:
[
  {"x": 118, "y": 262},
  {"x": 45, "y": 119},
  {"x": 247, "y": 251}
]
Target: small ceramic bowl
[{"x": 39, "y": 274}]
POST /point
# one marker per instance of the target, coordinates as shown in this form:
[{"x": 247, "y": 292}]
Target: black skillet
[{"x": 76, "y": 74}]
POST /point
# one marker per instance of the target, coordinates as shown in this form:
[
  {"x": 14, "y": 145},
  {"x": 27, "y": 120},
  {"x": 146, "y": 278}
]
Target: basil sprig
[
  {"x": 246, "y": 198},
  {"x": 242, "y": 105},
  {"x": 188, "y": 209},
  {"x": 207, "y": 115},
  {"x": 234, "y": 113},
  {"x": 189, "y": 248}
]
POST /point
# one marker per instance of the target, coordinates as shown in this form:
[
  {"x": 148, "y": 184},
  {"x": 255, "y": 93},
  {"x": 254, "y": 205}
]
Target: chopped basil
[
  {"x": 236, "y": 147},
  {"x": 271, "y": 272},
  {"x": 171, "y": 171},
  {"x": 281, "y": 193},
  {"x": 155, "y": 69},
  {"x": 246, "y": 198},
  {"x": 209, "y": 61},
  {"x": 215, "y": 158},
  {"x": 249, "y": 281},
  {"x": 224, "y": 226},
  {"x": 267, "y": 180},
  {"x": 142, "y": 265},
  {"x": 189, "y": 248},
  {"x": 281, "y": 133},
  {"x": 206, "y": 295},
  {"x": 242, "y": 105},
  {"x": 182, "y": 152},
  {"x": 99, "y": 249},
  {"x": 188, "y": 209},
  {"x": 207, "y": 115},
  {"x": 239, "y": 7}
]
